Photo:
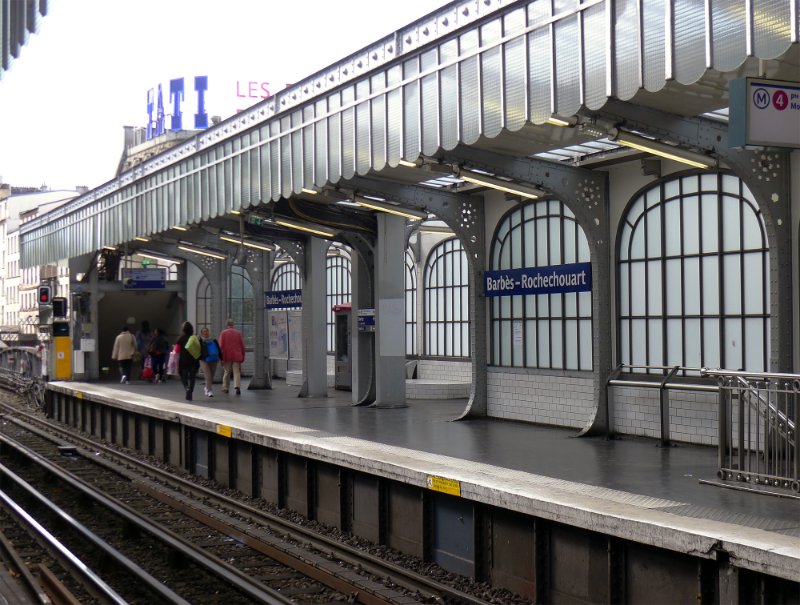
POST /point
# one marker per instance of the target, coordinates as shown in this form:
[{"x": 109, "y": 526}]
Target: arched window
[
  {"x": 693, "y": 272},
  {"x": 242, "y": 305},
  {"x": 551, "y": 331},
  {"x": 411, "y": 304},
  {"x": 338, "y": 292},
  {"x": 286, "y": 276},
  {"x": 447, "y": 301},
  {"x": 204, "y": 305}
]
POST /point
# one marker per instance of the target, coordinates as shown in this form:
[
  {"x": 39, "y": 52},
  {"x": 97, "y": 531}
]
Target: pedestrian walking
[
  {"x": 231, "y": 345},
  {"x": 188, "y": 359},
  {"x": 159, "y": 349},
  {"x": 124, "y": 348},
  {"x": 209, "y": 358}
]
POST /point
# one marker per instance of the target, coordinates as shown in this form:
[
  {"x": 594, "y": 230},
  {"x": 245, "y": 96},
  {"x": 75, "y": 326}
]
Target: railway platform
[{"x": 626, "y": 489}]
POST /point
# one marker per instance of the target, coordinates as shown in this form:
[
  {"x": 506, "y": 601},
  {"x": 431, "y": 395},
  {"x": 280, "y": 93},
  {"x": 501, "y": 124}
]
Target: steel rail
[
  {"x": 227, "y": 572},
  {"x": 369, "y": 563},
  {"x": 15, "y": 561}
]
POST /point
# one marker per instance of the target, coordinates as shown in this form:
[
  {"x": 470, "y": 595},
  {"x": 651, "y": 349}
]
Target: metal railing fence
[{"x": 757, "y": 427}]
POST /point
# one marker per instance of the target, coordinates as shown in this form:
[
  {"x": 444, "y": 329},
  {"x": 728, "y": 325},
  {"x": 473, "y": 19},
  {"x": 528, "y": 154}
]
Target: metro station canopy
[
  {"x": 491, "y": 75},
  {"x": 18, "y": 19}
]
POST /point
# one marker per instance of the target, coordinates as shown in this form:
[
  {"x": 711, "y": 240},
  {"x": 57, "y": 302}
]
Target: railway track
[{"x": 283, "y": 559}]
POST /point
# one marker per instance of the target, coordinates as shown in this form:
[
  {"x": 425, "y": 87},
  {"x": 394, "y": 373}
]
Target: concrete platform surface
[{"x": 628, "y": 487}]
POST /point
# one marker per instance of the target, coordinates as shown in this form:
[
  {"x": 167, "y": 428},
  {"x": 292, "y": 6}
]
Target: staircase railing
[{"x": 757, "y": 427}]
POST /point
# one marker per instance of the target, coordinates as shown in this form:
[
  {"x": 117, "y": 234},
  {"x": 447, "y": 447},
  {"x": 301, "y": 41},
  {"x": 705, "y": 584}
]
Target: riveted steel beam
[{"x": 464, "y": 215}]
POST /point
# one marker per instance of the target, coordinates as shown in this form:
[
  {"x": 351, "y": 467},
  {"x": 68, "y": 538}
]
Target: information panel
[
  {"x": 764, "y": 113},
  {"x": 154, "y": 278}
]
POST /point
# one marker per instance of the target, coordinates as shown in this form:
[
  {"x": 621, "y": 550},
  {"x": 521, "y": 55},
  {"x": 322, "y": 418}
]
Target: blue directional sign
[
  {"x": 154, "y": 278},
  {"x": 553, "y": 279}
]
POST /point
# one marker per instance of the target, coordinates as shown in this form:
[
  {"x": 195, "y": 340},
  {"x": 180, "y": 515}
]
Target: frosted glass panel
[
  {"x": 691, "y": 282},
  {"x": 638, "y": 290},
  {"x": 530, "y": 344},
  {"x": 570, "y": 305},
  {"x": 624, "y": 240},
  {"x": 692, "y": 344},
  {"x": 751, "y": 229},
  {"x": 637, "y": 244},
  {"x": 639, "y": 341},
  {"x": 555, "y": 240},
  {"x": 557, "y": 342},
  {"x": 653, "y": 233},
  {"x": 674, "y": 342},
  {"x": 730, "y": 184},
  {"x": 672, "y": 227},
  {"x": 711, "y": 343},
  {"x": 711, "y": 285},
  {"x": 672, "y": 189},
  {"x": 544, "y": 343},
  {"x": 732, "y": 347},
  {"x": 691, "y": 226},
  {"x": 731, "y": 222},
  {"x": 710, "y": 223},
  {"x": 732, "y": 285},
  {"x": 754, "y": 336},
  {"x": 570, "y": 246},
  {"x": 654, "y": 303},
  {"x": 753, "y": 274},
  {"x": 655, "y": 342},
  {"x": 624, "y": 341},
  {"x": 674, "y": 287},
  {"x": 586, "y": 345},
  {"x": 571, "y": 340}
]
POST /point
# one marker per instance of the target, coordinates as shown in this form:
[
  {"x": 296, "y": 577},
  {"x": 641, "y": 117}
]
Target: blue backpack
[{"x": 213, "y": 351}]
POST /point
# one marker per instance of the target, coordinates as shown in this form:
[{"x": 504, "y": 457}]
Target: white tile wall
[
  {"x": 693, "y": 415},
  {"x": 457, "y": 371},
  {"x": 554, "y": 400}
]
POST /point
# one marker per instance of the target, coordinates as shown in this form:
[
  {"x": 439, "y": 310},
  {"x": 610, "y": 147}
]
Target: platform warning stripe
[
  {"x": 224, "y": 430},
  {"x": 444, "y": 485}
]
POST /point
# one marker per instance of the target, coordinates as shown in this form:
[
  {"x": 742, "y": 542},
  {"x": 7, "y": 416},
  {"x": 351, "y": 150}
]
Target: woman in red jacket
[{"x": 231, "y": 344}]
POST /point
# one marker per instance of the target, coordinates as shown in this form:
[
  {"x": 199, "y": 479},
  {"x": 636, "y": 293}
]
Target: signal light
[{"x": 44, "y": 295}]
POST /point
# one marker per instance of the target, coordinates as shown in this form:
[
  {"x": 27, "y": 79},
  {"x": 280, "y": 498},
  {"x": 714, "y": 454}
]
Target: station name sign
[
  {"x": 282, "y": 299},
  {"x": 553, "y": 279},
  {"x": 764, "y": 113}
]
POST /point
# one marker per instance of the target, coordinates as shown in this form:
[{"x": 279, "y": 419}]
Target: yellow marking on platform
[
  {"x": 224, "y": 430},
  {"x": 444, "y": 485}
]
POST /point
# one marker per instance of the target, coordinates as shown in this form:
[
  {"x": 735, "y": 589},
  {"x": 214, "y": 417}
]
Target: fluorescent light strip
[
  {"x": 300, "y": 227},
  {"x": 309, "y": 191},
  {"x": 507, "y": 187},
  {"x": 407, "y": 163},
  {"x": 414, "y": 215},
  {"x": 244, "y": 242},
  {"x": 154, "y": 257},
  {"x": 565, "y": 123},
  {"x": 179, "y": 228},
  {"x": 436, "y": 232},
  {"x": 698, "y": 160},
  {"x": 141, "y": 239},
  {"x": 202, "y": 252},
  {"x": 235, "y": 212},
  {"x": 111, "y": 248}
]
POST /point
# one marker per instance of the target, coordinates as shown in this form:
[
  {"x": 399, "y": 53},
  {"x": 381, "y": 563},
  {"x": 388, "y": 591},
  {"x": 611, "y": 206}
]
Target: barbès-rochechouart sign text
[
  {"x": 156, "y": 116},
  {"x": 554, "y": 279}
]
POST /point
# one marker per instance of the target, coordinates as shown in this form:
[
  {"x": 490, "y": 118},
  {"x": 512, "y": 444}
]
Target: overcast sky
[{"x": 86, "y": 74}]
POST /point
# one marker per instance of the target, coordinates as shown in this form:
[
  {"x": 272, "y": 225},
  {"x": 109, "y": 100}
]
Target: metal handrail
[
  {"x": 663, "y": 383},
  {"x": 757, "y": 438},
  {"x": 774, "y": 412}
]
